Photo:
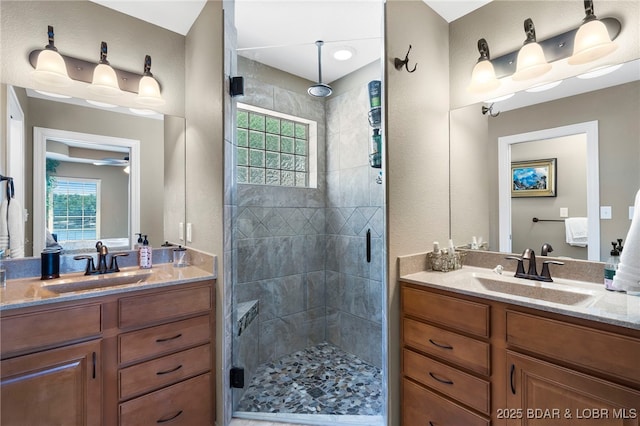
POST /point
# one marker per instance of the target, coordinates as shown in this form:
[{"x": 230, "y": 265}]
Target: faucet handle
[
  {"x": 520, "y": 268},
  {"x": 90, "y": 267},
  {"x": 546, "y": 274},
  {"x": 114, "y": 261}
]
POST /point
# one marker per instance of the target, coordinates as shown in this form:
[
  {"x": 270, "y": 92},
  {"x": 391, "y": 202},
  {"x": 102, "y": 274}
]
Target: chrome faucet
[{"x": 101, "y": 268}]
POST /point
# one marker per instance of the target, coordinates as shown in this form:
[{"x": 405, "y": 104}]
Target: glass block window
[{"x": 274, "y": 148}]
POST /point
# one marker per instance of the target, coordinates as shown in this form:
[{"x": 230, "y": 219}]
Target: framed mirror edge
[
  {"x": 40, "y": 136},
  {"x": 590, "y": 129}
]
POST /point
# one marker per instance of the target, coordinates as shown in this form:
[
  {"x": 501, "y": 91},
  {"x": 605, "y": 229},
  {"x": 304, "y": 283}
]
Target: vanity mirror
[
  {"x": 133, "y": 166},
  {"x": 478, "y": 190}
]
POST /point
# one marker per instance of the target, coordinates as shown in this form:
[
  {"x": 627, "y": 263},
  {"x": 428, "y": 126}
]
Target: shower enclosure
[{"x": 307, "y": 250}]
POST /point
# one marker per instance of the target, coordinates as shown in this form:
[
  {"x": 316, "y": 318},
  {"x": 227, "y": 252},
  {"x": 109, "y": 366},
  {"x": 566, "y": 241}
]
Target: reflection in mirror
[
  {"x": 614, "y": 104},
  {"x": 91, "y": 190},
  {"x": 158, "y": 171},
  {"x": 575, "y": 150}
]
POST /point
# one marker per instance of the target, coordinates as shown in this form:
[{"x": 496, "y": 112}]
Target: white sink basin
[
  {"x": 563, "y": 292},
  {"x": 92, "y": 282}
]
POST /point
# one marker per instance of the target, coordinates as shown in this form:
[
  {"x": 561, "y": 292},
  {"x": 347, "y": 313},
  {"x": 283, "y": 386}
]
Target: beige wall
[
  {"x": 501, "y": 24},
  {"x": 417, "y": 107},
  {"x": 79, "y": 28},
  {"x": 205, "y": 154},
  {"x": 174, "y": 178}
]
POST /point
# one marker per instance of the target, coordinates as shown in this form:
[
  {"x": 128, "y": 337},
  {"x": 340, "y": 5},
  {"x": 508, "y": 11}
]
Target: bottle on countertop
[
  {"x": 145, "y": 254},
  {"x": 611, "y": 266}
]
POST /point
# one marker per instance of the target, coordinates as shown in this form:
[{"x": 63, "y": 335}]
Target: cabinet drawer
[
  {"x": 463, "y": 387},
  {"x": 48, "y": 328},
  {"x": 422, "y": 407},
  {"x": 146, "y": 310},
  {"x": 163, "y": 339},
  {"x": 184, "y": 404},
  {"x": 460, "y": 350},
  {"x": 606, "y": 352},
  {"x": 160, "y": 372},
  {"x": 463, "y": 315}
]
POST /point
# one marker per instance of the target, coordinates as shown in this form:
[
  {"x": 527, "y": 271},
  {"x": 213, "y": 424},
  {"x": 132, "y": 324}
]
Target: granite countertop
[
  {"x": 598, "y": 304},
  {"x": 24, "y": 292}
]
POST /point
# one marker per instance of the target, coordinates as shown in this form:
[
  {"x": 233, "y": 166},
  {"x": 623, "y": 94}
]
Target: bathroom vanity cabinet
[
  {"x": 474, "y": 361},
  {"x": 141, "y": 357}
]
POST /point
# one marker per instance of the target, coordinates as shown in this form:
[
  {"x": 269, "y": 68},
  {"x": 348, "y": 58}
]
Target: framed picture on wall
[{"x": 533, "y": 178}]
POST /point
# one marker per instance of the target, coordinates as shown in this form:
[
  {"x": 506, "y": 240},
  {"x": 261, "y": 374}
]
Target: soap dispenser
[
  {"x": 611, "y": 267},
  {"x": 145, "y": 254}
]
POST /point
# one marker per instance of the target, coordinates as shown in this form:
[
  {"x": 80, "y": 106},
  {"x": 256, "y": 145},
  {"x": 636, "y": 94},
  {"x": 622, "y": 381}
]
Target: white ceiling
[{"x": 282, "y": 33}]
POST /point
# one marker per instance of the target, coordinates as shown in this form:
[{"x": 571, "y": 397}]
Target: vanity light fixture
[
  {"x": 105, "y": 80},
  {"x": 531, "y": 62},
  {"x": 50, "y": 68},
  {"x": 483, "y": 77},
  {"x": 592, "y": 40},
  {"x": 149, "y": 89}
]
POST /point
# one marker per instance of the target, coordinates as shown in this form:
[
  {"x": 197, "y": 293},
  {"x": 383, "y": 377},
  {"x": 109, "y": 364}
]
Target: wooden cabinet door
[
  {"x": 540, "y": 393},
  {"x": 55, "y": 387}
]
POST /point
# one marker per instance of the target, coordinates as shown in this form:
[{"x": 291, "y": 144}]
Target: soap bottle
[
  {"x": 138, "y": 244},
  {"x": 145, "y": 253},
  {"x": 611, "y": 267}
]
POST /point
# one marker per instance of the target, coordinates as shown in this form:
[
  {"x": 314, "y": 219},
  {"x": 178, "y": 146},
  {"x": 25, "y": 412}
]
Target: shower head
[{"x": 320, "y": 90}]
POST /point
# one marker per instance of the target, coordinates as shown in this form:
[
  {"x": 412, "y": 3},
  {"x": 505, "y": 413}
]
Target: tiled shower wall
[
  {"x": 280, "y": 243},
  {"x": 301, "y": 252},
  {"x": 354, "y": 206}
]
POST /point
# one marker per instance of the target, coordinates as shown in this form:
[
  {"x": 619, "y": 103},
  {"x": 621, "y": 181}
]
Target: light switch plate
[
  {"x": 181, "y": 231},
  {"x": 605, "y": 212},
  {"x": 189, "y": 232},
  {"x": 564, "y": 212},
  {"x": 632, "y": 211}
]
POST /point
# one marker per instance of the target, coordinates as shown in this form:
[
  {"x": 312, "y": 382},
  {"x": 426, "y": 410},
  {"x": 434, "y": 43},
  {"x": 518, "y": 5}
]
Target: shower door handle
[{"x": 368, "y": 245}]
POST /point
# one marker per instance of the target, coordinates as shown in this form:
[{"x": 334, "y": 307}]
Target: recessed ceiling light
[
  {"x": 600, "y": 71},
  {"x": 101, "y": 104},
  {"x": 544, "y": 86},
  {"x": 53, "y": 95},
  {"x": 344, "y": 53},
  {"x": 499, "y": 98}
]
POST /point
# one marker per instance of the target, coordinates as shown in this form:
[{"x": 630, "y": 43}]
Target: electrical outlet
[
  {"x": 564, "y": 212},
  {"x": 189, "y": 232},
  {"x": 605, "y": 212},
  {"x": 181, "y": 231}
]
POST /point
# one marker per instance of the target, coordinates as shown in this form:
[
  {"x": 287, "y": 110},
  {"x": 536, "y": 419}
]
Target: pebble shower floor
[{"x": 318, "y": 380}]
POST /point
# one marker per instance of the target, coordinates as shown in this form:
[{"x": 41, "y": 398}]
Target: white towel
[
  {"x": 12, "y": 228},
  {"x": 628, "y": 274},
  {"x": 576, "y": 230}
]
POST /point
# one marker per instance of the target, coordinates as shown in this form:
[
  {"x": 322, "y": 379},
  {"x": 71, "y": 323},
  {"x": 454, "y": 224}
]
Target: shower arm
[{"x": 319, "y": 44}]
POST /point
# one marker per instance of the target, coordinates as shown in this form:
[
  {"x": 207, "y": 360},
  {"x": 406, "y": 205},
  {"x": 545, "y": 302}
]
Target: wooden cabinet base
[
  {"x": 186, "y": 404},
  {"x": 54, "y": 387}
]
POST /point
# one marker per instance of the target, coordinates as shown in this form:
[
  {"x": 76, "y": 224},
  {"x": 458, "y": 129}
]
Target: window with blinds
[{"x": 75, "y": 209}]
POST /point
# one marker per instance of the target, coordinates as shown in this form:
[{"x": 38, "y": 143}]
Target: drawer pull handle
[
  {"x": 513, "y": 370},
  {"x": 170, "y": 418},
  {"x": 445, "y": 381},
  {"x": 160, "y": 373},
  {"x": 177, "y": 336},
  {"x": 440, "y": 346}
]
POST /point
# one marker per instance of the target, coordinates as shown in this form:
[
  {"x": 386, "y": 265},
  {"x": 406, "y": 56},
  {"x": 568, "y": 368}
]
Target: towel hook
[
  {"x": 399, "y": 63},
  {"x": 489, "y": 110}
]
